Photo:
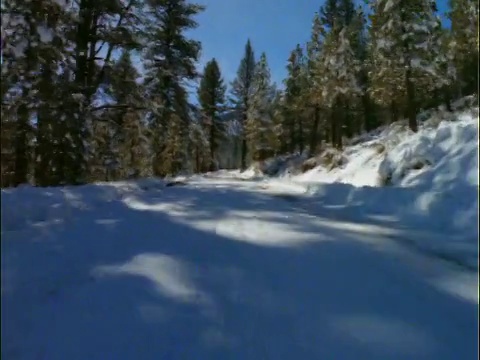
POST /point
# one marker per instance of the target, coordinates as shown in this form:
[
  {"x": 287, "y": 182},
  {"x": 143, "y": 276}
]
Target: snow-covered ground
[
  {"x": 218, "y": 268},
  {"x": 425, "y": 182},
  {"x": 232, "y": 265}
]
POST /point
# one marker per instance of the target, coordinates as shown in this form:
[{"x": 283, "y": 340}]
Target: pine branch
[
  {"x": 111, "y": 46},
  {"x": 118, "y": 107}
]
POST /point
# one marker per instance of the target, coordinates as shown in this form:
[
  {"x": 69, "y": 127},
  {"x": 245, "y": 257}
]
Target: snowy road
[{"x": 223, "y": 269}]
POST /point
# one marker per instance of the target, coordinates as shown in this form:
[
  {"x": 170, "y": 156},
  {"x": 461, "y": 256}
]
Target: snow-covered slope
[
  {"x": 395, "y": 151},
  {"x": 427, "y": 181}
]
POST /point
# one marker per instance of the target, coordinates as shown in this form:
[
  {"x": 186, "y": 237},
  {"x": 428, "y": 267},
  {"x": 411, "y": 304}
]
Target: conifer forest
[{"x": 104, "y": 90}]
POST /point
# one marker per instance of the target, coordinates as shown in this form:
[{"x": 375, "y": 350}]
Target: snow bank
[
  {"x": 435, "y": 157},
  {"x": 430, "y": 178},
  {"x": 28, "y": 205},
  {"x": 425, "y": 181}
]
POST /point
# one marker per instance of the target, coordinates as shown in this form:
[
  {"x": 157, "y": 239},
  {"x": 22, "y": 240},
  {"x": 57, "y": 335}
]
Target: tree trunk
[
  {"x": 212, "y": 143},
  {"x": 43, "y": 150},
  {"x": 300, "y": 134},
  {"x": 292, "y": 134},
  {"x": 368, "y": 113},
  {"x": 314, "y": 137},
  {"x": 332, "y": 127},
  {"x": 341, "y": 115},
  {"x": 197, "y": 160},
  {"x": 393, "y": 112},
  {"x": 409, "y": 86},
  {"x": 21, "y": 146},
  {"x": 244, "y": 154},
  {"x": 411, "y": 102},
  {"x": 447, "y": 100}
]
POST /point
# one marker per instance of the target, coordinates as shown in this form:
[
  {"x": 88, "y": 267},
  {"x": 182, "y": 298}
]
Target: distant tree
[
  {"x": 211, "y": 95},
  {"x": 259, "y": 124},
  {"x": 294, "y": 108},
  {"x": 242, "y": 87},
  {"x": 131, "y": 136},
  {"x": 337, "y": 13},
  {"x": 340, "y": 79},
  {"x": 313, "y": 93}
]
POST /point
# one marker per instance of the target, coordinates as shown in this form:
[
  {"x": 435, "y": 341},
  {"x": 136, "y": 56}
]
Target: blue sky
[{"x": 273, "y": 26}]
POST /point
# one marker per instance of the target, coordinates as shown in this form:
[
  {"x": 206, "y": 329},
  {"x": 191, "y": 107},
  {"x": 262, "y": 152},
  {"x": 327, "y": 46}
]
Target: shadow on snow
[{"x": 158, "y": 275}]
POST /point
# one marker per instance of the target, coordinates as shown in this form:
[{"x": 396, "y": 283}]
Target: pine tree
[
  {"x": 294, "y": 107},
  {"x": 131, "y": 137},
  {"x": 33, "y": 44},
  {"x": 402, "y": 32},
  {"x": 385, "y": 70},
  {"x": 169, "y": 62},
  {"x": 211, "y": 94},
  {"x": 313, "y": 92},
  {"x": 99, "y": 25},
  {"x": 242, "y": 91},
  {"x": 442, "y": 77},
  {"x": 337, "y": 13},
  {"x": 340, "y": 80},
  {"x": 259, "y": 124},
  {"x": 45, "y": 151},
  {"x": 7, "y": 160},
  {"x": 364, "y": 116},
  {"x": 200, "y": 149},
  {"x": 464, "y": 19},
  {"x": 280, "y": 138}
]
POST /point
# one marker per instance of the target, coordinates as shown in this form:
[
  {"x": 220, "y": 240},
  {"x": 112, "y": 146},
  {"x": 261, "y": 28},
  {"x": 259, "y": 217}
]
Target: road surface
[{"x": 221, "y": 269}]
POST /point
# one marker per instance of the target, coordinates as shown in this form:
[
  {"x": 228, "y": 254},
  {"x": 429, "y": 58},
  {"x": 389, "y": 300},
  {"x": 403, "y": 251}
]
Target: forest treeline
[{"x": 99, "y": 89}]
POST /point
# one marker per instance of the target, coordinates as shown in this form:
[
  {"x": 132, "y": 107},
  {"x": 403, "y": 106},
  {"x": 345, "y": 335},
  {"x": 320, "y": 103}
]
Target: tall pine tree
[
  {"x": 294, "y": 107},
  {"x": 259, "y": 124},
  {"x": 402, "y": 32},
  {"x": 169, "y": 62},
  {"x": 211, "y": 95},
  {"x": 242, "y": 87},
  {"x": 464, "y": 18}
]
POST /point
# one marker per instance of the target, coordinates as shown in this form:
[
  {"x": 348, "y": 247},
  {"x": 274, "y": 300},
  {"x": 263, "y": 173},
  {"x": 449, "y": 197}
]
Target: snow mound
[
  {"x": 430, "y": 182},
  {"x": 28, "y": 206},
  {"x": 435, "y": 157},
  {"x": 425, "y": 181}
]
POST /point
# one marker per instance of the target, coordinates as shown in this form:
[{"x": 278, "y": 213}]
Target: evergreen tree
[
  {"x": 211, "y": 94},
  {"x": 364, "y": 118},
  {"x": 169, "y": 62},
  {"x": 242, "y": 91},
  {"x": 259, "y": 124},
  {"x": 33, "y": 45},
  {"x": 130, "y": 135},
  {"x": 340, "y": 80},
  {"x": 402, "y": 31},
  {"x": 99, "y": 25},
  {"x": 200, "y": 145},
  {"x": 280, "y": 136},
  {"x": 337, "y": 13},
  {"x": 314, "y": 91},
  {"x": 464, "y": 19},
  {"x": 294, "y": 107}
]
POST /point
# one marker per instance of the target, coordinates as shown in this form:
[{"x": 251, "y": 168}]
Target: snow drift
[{"x": 427, "y": 181}]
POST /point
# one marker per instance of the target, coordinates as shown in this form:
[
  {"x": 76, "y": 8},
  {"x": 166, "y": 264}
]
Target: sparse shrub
[
  {"x": 309, "y": 164},
  {"x": 379, "y": 148},
  {"x": 332, "y": 159}
]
